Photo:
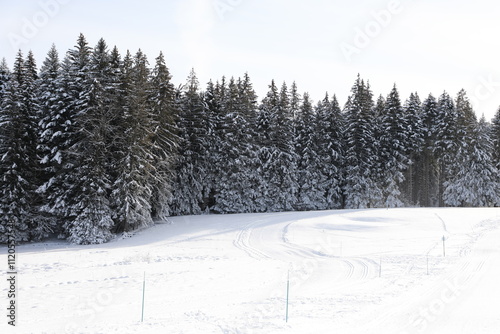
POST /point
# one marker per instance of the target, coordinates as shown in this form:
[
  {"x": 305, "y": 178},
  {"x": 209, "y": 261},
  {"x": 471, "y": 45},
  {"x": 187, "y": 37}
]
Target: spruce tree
[
  {"x": 19, "y": 164},
  {"x": 89, "y": 212},
  {"x": 276, "y": 153},
  {"x": 164, "y": 114},
  {"x": 428, "y": 162},
  {"x": 360, "y": 188},
  {"x": 393, "y": 149},
  {"x": 332, "y": 147},
  {"x": 52, "y": 130},
  {"x": 413, "y": 112},
  {"x": 133, "y": 188},
  {"x": 495, "y": 134},
  {"x": 475, "y": 181},
  {"x": 446, "y": 144},
  {"x": 234, "y": 168},
  {"x": 312, "y": 181},
  {"x": 192, "y": 184}
]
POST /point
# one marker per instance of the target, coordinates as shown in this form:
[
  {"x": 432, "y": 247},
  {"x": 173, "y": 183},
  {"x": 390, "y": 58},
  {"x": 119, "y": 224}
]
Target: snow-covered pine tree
[
  {"x": 413, "y": 114},
  {"x": 58, "y": 135},
  {"x": 312, "y": 182},
  {"x": 360, "y": 188},
  {"x": 248, "y": 109},
  {"x": 466, "y": 118},
  {"x": 393, "y": 149},
  {"x": 278, "y": 160},
  {"x": 52, "y": 130},
  {"x": 89, "y": 213},
  {"x": 192, "y": 185},
  {"x": 49, "y": 105},
  {"x": 267, "y": 107},
  {"x": 446, "y": 142},
  {"x": 427, "y": 168},
  {"x": 164, "y": 115},
  {"x": 473, "y": 176},
  {"x": 234, "y": 171},
  {"x": 133, "y": 188},
  {"x": 495, "y": 135},
  {"x": 379, "y": 170},
  {"x": 330, "y": 137},
  {"x": 475, "y": 179},
  {"x": 18, "y": 164}
]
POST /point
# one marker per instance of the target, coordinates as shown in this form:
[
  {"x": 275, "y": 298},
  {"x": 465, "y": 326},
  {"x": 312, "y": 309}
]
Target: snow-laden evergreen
[
  {"x": 192, "y": 181},
  {"x": 329, "y": 135},
  {"x": 234, "y": 161},
  {"x": 132, "y": 189},
  {"x": 495, "y": 137},
  {"x": 360, "y": 189},
  {"x": 164, "y": 142},
  {"x": 278, "y": 184},
  {"x": 393, "y": 149},
  {"x": 415, "y": 141},
  {"x": 312, "y": 182},
  {"x": 89, "y": 210},
  {"x": 475, "y": 178},
  {"x": 19, "y": 202},
  {"x": 427, "y": 167}
]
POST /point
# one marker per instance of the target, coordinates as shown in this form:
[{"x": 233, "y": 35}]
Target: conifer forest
[{"x": 100, "y": 143}]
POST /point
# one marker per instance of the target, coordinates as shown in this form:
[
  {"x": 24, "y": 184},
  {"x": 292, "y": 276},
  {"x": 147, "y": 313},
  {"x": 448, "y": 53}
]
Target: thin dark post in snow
[
  {"x": 143, "y": 293},
  {"x": 287, "y": 295}
]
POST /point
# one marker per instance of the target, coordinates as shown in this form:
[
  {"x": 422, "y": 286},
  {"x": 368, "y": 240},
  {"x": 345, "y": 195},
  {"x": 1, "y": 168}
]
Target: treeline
[{"x": 99, "y": 144}]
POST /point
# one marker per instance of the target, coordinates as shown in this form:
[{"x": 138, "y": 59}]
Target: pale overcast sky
[{"x": 426, "y": 46}]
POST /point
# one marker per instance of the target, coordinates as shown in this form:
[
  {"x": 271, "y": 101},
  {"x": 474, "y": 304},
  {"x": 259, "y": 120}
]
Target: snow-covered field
[{"x": 350, "y": 271}]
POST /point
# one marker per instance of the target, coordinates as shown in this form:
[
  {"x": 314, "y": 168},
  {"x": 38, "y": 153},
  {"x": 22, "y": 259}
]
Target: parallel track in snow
[{"x": 263, "y": 239}]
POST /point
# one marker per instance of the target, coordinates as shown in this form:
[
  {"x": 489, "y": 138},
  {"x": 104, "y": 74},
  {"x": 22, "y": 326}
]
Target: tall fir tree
[
  {"x": 192, "y": 184},
  {"x": 312, "y": 183},
  {"x": 332, "y": 147},
  {"x": 19, "y": 201},
  {"x": 413, "y": 115},
  {"x": 446, "y": 144},
  {"x": 89, "y": 211},
  {"x": 475, "y": 179},
  {"x": 495, "y": 134},
  {"x": 360, "y": 187},
  {"x": 393, "y": 149},
  {"x": 428, "y": 176},
  {"x": 52, "y": 130},
  {"x": 234, "y": 170},
  {"x": 164, "y": 116},
  {"x": 276, "y": 152},
  {"x": 133, "y": 188}
]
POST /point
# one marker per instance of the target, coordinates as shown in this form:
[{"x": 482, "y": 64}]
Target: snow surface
[{"x": 228, "y": 274}]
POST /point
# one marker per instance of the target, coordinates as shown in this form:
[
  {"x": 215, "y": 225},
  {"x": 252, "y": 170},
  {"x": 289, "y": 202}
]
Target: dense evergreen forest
[{"x": 100, "y": 143}]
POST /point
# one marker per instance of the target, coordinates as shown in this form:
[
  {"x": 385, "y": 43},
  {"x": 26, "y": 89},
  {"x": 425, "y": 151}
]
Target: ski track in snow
[
  {"x": 259, "y": 239},
  {"x": 243, "y": 242}
]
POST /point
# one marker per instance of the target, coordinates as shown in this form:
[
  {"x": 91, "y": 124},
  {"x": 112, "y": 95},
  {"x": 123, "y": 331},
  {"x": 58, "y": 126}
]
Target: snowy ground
[{"x": 351, "y": 271}]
